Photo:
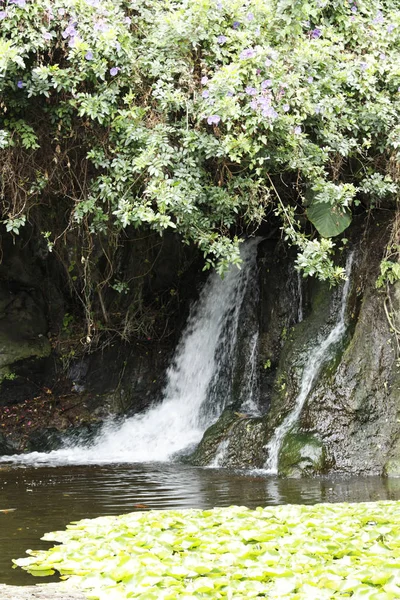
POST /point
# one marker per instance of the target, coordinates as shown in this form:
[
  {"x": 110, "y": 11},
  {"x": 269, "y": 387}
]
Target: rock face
[
  {"x": 350, "y": 421},
  {"x": 51, "y": 385}
]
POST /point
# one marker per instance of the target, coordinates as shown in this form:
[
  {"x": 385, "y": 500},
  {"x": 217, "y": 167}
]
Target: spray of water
[
  {"x": 315, "y": 361},
  {"x": 188, "y": 407}
]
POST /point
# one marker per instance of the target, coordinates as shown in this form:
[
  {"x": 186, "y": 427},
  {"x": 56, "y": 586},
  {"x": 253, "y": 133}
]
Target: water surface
[{"x": 48, "y": 498}]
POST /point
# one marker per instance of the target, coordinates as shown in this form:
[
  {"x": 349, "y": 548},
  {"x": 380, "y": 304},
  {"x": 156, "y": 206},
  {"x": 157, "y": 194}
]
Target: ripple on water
[{"x": 48, "y": 498}]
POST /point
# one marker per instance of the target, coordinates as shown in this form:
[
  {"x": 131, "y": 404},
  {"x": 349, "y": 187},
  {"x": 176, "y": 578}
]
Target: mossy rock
[
  {"x": 392, "y": 466},
  {"x": 246, "y": 442},
  {"x": 301, "y": 454},
  {"x": 214, "y": 435}
]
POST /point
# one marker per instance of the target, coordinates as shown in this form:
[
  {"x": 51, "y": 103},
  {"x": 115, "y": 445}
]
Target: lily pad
[{"x": 297, "y": 552}]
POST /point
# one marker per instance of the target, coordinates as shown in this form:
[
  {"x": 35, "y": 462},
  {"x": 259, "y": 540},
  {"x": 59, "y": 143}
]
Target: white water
[
  {"x": 218, "y": 459},
  {"x": 189, "y": 406},
  {"x": 250, "y": 385},
  {"x": 316, "y": 359},
  {"x": 300, "y": 314}
]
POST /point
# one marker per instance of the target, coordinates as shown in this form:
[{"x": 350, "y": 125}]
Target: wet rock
[
  {"x": 235, "y": 441},
  {"x": 301, "y": 454},
  {"x": 245, "y": 444},
  {"x": 212, "y": 438},
  {"x": 6, "y": 446},
  {"x": 278, "y": 310}
]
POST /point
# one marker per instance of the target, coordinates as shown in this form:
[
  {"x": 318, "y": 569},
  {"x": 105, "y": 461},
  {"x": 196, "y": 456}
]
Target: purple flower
[
  {"x": 89, "y": 55},
  {"x": 391, "y": 28},
  {"x": 101, "y": 26},
  {"x": 229, "y": 94},
  {"x": 250, "y": 16},
  {"x": 310, "y": 79},
  {"x": 354, "y": 9},
  {"x": 117, "y": 46},
  {"x": 297, "y": 130},
  {"x": 20, "y": 84},
  {"x": 3, "y": 14},
  {"x": 205, "y": 94},
  {"x": 114, "y": 71},
  {"x": 70, "y": 31},
  {"x": 236, "y": 25},
  {"x": 264, "y": 102},
  {"x": 221, "y": 39},
  {"x": 318, "y": 109},
  {"x": 382, "y": 56},
  {"x": 47, "y": 35},
  {"x": 251, "y": 91},
  {"x": 286, "y": 108},
  {"x": 61, "y": 12},
  {"x": 254, "y": 104},
  {"x": 363, "y": 66},
  {"x": 248, "y": 53},
  {"x": 20, "y": 3},
  {"x": 204, "y": 80},
  {"x": 127, "y": 20},
  {"x": 379, "y": 18},
  {"x": 213, "y": 119},
  {"x": 267, "y": 83},
  {"x": 268, "y": 62},
  {"x": 316, "y": 33},
  {"x": 270, "y": 113}
]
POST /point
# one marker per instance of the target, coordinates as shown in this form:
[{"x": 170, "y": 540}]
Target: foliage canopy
[{"x": 202, "y": 116}]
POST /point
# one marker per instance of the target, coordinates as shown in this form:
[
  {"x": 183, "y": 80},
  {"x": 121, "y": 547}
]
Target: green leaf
[{"x": 328, "y": 220}]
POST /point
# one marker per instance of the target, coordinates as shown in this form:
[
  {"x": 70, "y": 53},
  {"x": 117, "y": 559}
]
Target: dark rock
[
  {"x": 6, "y": 446},
  {"x": 301, "y": 454},
  {"x": 212, "y": 438}
]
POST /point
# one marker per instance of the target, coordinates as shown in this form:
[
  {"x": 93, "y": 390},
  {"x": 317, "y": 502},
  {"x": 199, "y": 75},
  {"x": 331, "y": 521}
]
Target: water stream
[
  {"x": 315, "y": 360},
  {"x": 198, "y": 382},
  {"x": 300, "y": 312}
]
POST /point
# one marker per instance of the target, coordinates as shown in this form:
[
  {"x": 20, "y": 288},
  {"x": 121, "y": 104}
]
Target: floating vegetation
[{"x": 297, "y": 552}]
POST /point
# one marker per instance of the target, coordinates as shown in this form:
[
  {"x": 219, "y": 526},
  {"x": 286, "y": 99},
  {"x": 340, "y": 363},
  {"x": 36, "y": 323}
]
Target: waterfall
[
  {"x": 189, "y": 405},
  {"x": 250, "y": 390},
  {"x": 300, "y": 313},
  {"x": 315, "y": 361},
  {"x": 218, "y": 459}
]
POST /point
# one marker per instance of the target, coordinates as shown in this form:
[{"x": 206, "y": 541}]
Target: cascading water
[
  {"x": 300, "y": 313},
  {"x": 189, "y": 406},
  {"x": 250, "y": 384},
  {"x": 315, "y": 361}
]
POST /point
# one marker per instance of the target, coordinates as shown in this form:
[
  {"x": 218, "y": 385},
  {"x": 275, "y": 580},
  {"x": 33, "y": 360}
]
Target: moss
[
  {"x": 301, "y": 454},
  {"x": 213, "y": 436},
  {"x": 13, "y": 351}
]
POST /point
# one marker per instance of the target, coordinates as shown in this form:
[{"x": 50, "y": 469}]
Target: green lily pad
[{"x": 294, "y": 552}]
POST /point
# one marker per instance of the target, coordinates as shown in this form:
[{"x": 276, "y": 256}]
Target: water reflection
[{"x": 47, "y": 498}]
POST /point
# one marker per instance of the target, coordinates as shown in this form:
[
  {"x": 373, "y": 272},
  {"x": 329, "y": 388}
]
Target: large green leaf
[{"x": 327, "y": 219}]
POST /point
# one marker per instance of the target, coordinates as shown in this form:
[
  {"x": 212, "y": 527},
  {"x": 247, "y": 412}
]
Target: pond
[{"x": 47, "y": 498}]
